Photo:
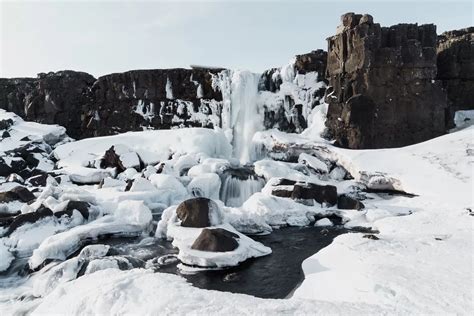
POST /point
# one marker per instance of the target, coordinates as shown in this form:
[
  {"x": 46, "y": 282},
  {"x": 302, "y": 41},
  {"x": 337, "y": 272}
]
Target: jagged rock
[
  {"x": 81, "y": 206},
  {"x": 216, "y": 240},
  {"x": 382, "y": 83},
  {"x": 345, "y": 202},
  {"x": 32, "y": 217},
  {"x": 456, "y": 68},
  {"x": 15, "y": 178},
  {"x": 112, "y": 160},
  {"x": 310, "y": 191},
  {"x": 50, "y": 98},
  {"x": 18, "y": 193},
  {"x": 198, "y": 212}
]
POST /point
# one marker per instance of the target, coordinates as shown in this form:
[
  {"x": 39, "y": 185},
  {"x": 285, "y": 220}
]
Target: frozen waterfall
[
  {"x": 239, "y": 185},
  {"x": 240, "y": 115}
]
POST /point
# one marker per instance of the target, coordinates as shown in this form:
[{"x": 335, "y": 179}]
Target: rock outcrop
[
  {"x": 456, "y": 68},
  {"x": 53, "y": 98},
  {"x": 383, "y": 91}
]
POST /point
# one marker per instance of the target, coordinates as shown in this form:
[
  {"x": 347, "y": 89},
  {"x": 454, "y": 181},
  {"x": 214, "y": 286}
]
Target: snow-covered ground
[{"x": 421, "y": 261}]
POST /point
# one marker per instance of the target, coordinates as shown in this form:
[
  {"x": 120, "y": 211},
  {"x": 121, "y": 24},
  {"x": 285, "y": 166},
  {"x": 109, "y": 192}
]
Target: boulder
[
  {"x": 345, "y": 202},
  {"x": 216, "y": 240},
  {"x": 18, "y": 193},
  {"x": 26, "y": 218},
  {"x": 81, "y": 206},
  {"x": 198, "y": 212}
]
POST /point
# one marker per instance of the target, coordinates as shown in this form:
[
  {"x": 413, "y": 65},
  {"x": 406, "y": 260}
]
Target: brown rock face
[
  {"x": 382, "y": 90},
  {"x": 216, "y": 240},
  {"x": 196, "y": 212},
  {"x": 456, "y": 67}
]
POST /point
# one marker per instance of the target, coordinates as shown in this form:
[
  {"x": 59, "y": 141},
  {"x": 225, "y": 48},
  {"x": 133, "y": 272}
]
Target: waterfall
[
  {"x": 240, "y": 115},
  {"x": 236, "y": 190}
]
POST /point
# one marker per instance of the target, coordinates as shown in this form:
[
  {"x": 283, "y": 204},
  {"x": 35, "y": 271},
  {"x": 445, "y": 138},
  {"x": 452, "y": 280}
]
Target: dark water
[{"x": 272, "y": 276}]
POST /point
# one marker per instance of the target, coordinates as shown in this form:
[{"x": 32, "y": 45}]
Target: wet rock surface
[{"x": 383, "y": 91}]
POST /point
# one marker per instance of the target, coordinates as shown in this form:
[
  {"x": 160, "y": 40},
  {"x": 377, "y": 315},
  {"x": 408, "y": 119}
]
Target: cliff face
[
  {"x": 456, "y": 67},
  {"x": 152, "y": 99},
  {"x": 58, "y": 98},
  {"x": 382, "y": 89}
]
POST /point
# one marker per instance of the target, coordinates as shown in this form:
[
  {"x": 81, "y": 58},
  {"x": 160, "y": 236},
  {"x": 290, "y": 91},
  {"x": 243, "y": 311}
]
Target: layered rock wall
[
  {"x": 456, "y": 68},
  {"x": 382, "y": 89}
]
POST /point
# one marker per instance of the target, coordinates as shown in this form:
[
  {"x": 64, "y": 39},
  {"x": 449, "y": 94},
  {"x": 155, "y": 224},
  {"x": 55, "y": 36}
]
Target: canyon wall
[
  {"x": 385, "y": 87},
  {"x": 383, "y": 91},
  {"x": 456, "y": 68}
]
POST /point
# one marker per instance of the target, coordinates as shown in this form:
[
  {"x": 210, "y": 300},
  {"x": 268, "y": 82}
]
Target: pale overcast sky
[{"x": 101, "y": 37}]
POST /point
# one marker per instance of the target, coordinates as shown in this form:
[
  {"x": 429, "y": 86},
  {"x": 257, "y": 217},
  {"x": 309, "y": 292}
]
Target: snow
[
  {"x": 140, "y": 291},
  {"x": 205, "y": 185},
  {"x": 179, "y": 141},
  {"x": 169, "y": 89},
  {"x": 6, "y": 257},
  {"x": 129, "y": 218},
  {"x": 323, "y": 222}
]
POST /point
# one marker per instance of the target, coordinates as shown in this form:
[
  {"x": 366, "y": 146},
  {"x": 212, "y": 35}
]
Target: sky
[{"x": 101, "y": 37}]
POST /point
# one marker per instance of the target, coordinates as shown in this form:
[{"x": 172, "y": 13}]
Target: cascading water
[
  {"x": 240, "y": 120},
  {"x": 238, "y": 185},
  {"x": 244, "y": 113}
]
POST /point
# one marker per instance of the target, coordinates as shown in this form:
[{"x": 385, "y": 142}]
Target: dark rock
[
  {"x": 39, "y": 180},
  {"x": 284, "y": 193},
  {"x": 345, "y": 202},
  {"x": 6, "y": 124},
  {"x": 32, "y": 217},
  {"x": 320, "y": 193},
  {"x": 18, "y": 193},
  {"x": 382, "y": 82},
  {"x": 284, "y": 181},
  {"x": 5, "y": 134},
  {"x": 371, "y": 236},
  {"x": 196, "y": 212},
  {"x": 81, "y": 206},
  {"x": 216, "y": 240},
  {"x": 112, "y": 160},
  {"x": 129, "y": 185},
  {"x": 455, "y": 63},
  {"x": 51, "y": 98}
]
